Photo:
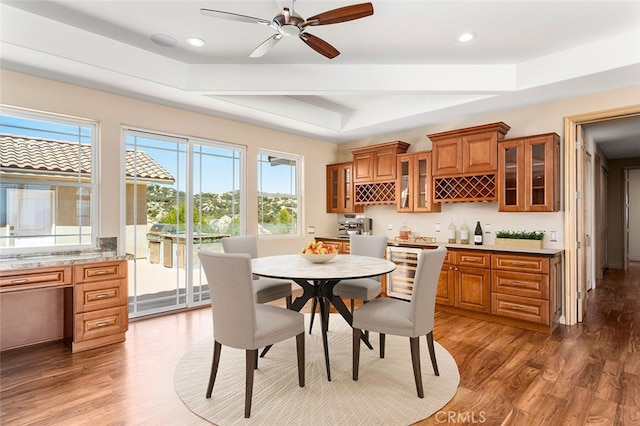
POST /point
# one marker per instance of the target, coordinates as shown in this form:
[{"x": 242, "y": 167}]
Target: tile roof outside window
[{"x": 23, "y": 153}]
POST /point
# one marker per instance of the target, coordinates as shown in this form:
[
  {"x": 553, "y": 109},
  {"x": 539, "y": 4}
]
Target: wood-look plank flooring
[{"x": 587, "y": 374}]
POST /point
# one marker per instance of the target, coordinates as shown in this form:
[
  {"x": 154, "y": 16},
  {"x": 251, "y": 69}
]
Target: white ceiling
[{"x": 399, "y": 69}]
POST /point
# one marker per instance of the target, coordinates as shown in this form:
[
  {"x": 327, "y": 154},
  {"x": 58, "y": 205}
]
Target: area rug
[{"x": 385, "y": 393}]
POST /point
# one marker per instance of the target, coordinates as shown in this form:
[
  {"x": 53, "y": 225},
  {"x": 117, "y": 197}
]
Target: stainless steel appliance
[
  {"x": 352, "y": 224},
  {"x": 161, "y": 247}
]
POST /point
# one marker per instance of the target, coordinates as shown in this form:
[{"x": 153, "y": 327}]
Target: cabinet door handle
[
  {"x": 101, "y": 272},
  {"x": 101, "y": 296},
  {"x": 518, "y": 283},
  {"x": 103, "y": 324},
  {"x": 517, "y": 263},
  {"x": 20, "y": 280},
  {"x": 469, "y": 259}
]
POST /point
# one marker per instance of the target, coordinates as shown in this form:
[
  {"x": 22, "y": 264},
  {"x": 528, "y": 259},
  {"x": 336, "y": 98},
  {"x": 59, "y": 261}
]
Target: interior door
[
  {"x": 625, "y": 224},
  {"x": 589, "y": 210},
  {"x": 581, "y": 250}
]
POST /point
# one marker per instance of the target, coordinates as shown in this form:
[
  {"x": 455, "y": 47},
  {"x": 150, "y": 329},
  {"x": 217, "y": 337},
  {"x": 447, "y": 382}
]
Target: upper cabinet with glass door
[
  {"x": 414, "y": 183},
  {"x": 340, "y": 189},
  {"x": 529, "y": 174}
]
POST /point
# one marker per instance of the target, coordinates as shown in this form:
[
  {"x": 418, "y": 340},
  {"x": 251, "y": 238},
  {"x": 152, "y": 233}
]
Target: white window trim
[
  {"x": 299, "y": 179},
  {"x": 95, "y": 173}
]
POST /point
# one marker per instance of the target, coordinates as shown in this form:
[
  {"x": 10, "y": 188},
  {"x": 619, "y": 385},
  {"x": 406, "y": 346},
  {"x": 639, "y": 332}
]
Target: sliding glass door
[{"x": 166, "y": 178}]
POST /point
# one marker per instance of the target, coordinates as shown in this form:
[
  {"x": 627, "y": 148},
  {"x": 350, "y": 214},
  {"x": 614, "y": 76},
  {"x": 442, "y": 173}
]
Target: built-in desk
[{"x": 81, "y": 297}]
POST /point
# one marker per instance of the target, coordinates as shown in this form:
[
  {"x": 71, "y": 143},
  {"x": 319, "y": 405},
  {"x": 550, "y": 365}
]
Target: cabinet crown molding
[{"x": 499, "y": 127}]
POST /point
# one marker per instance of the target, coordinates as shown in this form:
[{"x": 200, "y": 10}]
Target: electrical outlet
[
  {"x": 553, "y": 236},
  {"x": 311, "y": 229},
  {"x": 390, "y": 226},
  {"x": 487, "y": 228},
  {"x": 437, "y": 226}
]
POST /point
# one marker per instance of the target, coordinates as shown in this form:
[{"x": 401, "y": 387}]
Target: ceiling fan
[{"x": 289, "y": 23}]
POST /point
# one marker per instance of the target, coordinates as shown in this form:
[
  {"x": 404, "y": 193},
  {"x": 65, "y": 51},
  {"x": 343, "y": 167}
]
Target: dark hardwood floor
[{"x": 585, "y": 374}]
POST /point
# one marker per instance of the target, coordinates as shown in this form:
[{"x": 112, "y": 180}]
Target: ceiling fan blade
[
  {"x": 342, "y": 14},
  {"x": 234, "y": 16},
  {"x": 319, "y": 45},
  {"x": 266, "y": 46}
]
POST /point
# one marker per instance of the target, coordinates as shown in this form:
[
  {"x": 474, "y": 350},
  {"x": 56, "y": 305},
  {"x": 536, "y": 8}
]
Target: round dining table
[{"x": 317, "y": 281}]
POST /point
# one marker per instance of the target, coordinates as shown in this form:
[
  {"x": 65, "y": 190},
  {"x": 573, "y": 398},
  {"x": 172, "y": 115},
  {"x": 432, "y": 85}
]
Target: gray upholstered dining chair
[
  {"x": 240, "y": 322},
  {"x": 266, "y": 289},
  {"x": 364, "y": 289},
  {"x": 401, "y": 318}
]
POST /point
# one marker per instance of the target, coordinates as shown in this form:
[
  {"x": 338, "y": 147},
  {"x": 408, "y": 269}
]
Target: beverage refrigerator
[{"x": 400, "y": 281}]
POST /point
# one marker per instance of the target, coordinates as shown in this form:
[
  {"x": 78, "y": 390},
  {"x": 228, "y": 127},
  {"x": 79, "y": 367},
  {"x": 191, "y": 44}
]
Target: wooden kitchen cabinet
[
  {"x": 343, "y": 247},
  {"x": 340, "y": 189},
  {"x": 377, "y": 163},
  {"x": 446, "y": 281},
  {"x": 518, "y": 289},
  {"x": 526, "y": 287},
  {"x": 472, "y": 281},
  {"x": 98, "y": 301},
  {"x": 414, "y": 183},
  {"x": 465, "y": 281},
  {"x": 529, "y": 174},
  {"x": 472, "y": 150}
]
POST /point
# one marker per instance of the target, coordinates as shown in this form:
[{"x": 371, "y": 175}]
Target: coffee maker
[{"x": 351, "y": 224}]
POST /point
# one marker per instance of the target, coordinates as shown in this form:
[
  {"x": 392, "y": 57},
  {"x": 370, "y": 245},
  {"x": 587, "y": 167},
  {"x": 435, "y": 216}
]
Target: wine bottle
[
  {"x": 451, "y": 233},
  {"x": 464, "y": 233},
  {"x": 477, "y": 235}
]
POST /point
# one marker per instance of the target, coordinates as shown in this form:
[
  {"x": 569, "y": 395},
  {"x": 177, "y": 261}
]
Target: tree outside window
[{"x": 278, "y": 193}]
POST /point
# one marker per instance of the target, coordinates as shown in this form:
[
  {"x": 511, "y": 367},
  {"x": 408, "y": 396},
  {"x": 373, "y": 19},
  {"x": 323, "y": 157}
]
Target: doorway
[{"x": 575, "y": 218}]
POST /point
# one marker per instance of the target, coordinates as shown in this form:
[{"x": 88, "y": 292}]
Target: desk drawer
[
  {"x": 102, "y": 323},
  {"x": 37, "y": 278},
  {"x": 100, "y": 295},
  {"x": 100, "y": 271}
]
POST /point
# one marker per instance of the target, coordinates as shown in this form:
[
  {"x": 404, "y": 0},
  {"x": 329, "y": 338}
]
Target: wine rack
[
  {"x": 465, "y": 188},
  {"x": 375, "y": 193}
]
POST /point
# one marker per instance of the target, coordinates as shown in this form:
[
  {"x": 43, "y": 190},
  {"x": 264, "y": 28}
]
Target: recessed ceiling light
[
  {"x": 196, "y": 42},
  {"x": 164, "y": 40},
  {"x": 465, "y": 37}
]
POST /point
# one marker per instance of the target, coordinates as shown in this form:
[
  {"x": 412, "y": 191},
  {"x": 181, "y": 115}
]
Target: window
[
  {"x": 166, "y": 177},
  {"x": 278, "y": 193},
  {"x": 48, "y": 172}
]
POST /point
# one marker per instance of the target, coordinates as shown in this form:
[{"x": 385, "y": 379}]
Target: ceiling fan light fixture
[
  {"x": 196, "y": 42},
  {"x": 466, "y": 37}
]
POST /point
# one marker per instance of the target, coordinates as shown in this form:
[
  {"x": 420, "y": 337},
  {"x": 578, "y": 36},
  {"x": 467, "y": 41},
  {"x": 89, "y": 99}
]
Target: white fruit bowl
[{"x": 318, "y": 258}]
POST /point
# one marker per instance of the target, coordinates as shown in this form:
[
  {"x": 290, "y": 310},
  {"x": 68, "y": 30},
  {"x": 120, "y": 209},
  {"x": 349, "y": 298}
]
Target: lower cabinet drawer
[
  {"x": 520, "y": 284},
  {"x": 93, "y": 325},
  {"x": 522, "y": 308},
  {"x": 101, "y": 295}
]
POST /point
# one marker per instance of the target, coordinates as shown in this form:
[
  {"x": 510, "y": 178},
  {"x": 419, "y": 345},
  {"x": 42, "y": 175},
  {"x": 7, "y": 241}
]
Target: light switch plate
[{"x": 437, "y": 226}]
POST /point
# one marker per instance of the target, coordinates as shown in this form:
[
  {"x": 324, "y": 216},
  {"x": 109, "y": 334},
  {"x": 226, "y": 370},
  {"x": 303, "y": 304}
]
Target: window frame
[
  {"x": 299, "y": 159},
  {"x": 92, "y": 185}
]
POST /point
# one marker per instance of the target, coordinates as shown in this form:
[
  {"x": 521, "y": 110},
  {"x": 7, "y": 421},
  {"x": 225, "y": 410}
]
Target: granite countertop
[
  {"x": 42, "y": 260},
  {"x": 485, "y": 247}
]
